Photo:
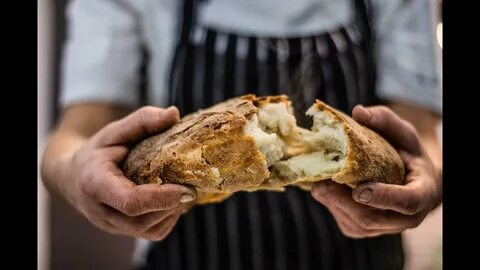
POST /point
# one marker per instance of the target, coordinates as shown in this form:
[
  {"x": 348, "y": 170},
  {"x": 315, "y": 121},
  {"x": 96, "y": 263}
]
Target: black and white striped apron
[{"x": 270, "y": 230}]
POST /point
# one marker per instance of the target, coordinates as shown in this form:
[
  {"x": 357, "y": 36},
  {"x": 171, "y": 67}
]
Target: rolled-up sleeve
[
  {"x": 407, "y": 56},
  {"x": 102, "y": 54}
]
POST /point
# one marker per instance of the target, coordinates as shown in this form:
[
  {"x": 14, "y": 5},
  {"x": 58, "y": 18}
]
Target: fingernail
[
  {"x": 365, "y": 196},
  {"x": 186, "y": 198},
  {"x": 322, "y": 188}
]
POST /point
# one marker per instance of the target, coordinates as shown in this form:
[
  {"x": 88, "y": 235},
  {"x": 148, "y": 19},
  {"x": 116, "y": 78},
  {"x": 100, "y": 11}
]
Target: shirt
[{"x": 103, "y": 50}]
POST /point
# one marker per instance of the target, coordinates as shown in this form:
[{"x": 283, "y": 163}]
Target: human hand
[
  {"x": 374, "y": 209},
  {"x": 93, "y": 182}
]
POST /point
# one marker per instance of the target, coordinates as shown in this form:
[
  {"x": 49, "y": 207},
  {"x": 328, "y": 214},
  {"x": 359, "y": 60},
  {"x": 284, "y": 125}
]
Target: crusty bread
[
  {"x": 250, "y": 143},
  {"x": 357, "y": 153}
]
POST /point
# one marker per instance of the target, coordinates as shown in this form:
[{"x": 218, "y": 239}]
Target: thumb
[
  {"x": 138, "y": 125},
  {"x": 386, "y": 122}
]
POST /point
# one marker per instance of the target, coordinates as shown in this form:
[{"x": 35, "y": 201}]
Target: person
[{"x": 379, "y": 54}]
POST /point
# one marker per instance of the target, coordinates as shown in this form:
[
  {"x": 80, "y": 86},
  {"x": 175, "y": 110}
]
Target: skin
[
  {"x": 375, "y": 209},
  {"x": 82, "y": 157},
  {"x": 81, "y": 164}
]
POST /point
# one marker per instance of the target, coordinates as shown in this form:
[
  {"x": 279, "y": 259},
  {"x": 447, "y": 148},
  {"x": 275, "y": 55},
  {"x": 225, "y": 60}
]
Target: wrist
[
  {"x": 57, "y": 166},
  {"x": 64, "y": 180}
]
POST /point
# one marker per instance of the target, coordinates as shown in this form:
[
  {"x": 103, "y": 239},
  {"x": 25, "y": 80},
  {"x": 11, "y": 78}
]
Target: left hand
[{"x": 374, "y": 209}]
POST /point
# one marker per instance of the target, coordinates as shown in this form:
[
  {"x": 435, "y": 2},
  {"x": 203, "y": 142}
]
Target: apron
[{"x": 271, "y": 230}]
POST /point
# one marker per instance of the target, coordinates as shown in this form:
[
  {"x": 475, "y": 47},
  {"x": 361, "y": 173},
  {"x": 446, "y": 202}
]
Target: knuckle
[
  {"x": 87, "y": 188},
  {"x": 103, "y": 212},
  {"x": 155, "y": 237},
  {"x": 145, "y": 113},
  {"x": 416, "y": 221},
  {"x": 336, "y": 201},
  {"x": 411, "y": 131},
  {"x": 315, "y": 195},
  {"x": 346, "y": 231},
  {"x": 90, "y": 217},
  {"x": 384, "y": 109},
  {"x": 368, "y": 221},
  {"x": 130, "y": 207},
  {"x": 163, "y": 203},
  {"x": 385, "y": 202},
  {"x": 99, "y": 223},
  {"x": 354, "y": 235},
  {"x": 159, "y": 234},
  {"x": 137, "y": 227},
  {"x": 148, "y": 237},
  {"x": 412, "y": 205},
  {"x": 383, "y": 198},
  {"x": 163, "y": 199},
  {"x": 413, "y": 225},
  {"x": 409, "y": 126},
  {"x": 349, "y": 232},
  {"x": 418, "y": 163}
]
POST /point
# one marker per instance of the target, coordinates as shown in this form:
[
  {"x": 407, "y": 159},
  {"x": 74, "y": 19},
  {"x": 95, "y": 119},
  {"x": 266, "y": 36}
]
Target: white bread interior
[{"x": 295, "y": 153}]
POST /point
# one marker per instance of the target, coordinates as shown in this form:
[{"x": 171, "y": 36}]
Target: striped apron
[{"x": 270, "y": 230}]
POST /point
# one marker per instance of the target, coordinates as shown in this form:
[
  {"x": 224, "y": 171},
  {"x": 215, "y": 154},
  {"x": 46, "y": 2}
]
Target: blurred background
[{"x": 67, "y": 241}]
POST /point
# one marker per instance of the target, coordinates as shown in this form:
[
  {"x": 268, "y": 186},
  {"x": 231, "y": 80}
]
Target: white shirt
[{"x": 103, "y": 48}]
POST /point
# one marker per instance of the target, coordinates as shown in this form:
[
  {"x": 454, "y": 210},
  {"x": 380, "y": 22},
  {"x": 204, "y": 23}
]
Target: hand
[
  {"x": 97, "y": 187},
  {"x": 374, "y": 209}
]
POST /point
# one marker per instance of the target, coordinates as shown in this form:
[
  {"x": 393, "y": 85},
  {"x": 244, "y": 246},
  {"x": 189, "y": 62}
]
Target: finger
[
  {"x": 408, "y": 199},
  {"x": 340, "y": 197},
  {"x": 348, "y": 226},
  {"x": 379, "y": 220},
  {"x": 114, "y": 153},
  {"x": 337, "y": 195},
  {"x": 162, "y": 229},
  {"x": 345, "y": 222},
  {"x": 135, "y": 225},
  {"x": 414, "y": 164},
  {"x": 104, "y": 225},
  {"x": 350, "y": 229},
  {"x": 134, "y": 200},
  {"x": 396, "y": 130},
  {"x": 136, "y": 126}
]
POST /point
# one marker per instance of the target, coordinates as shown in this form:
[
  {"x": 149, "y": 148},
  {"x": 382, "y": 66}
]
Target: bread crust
[
  {"x": 210, "y": 151},
  {"x": 370, "y": 158},
  {"x": 207, "y": 150}
]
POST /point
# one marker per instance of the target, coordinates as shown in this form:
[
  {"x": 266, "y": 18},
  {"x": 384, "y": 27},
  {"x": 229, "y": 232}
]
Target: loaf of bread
[{"x": 253, "y": 143}]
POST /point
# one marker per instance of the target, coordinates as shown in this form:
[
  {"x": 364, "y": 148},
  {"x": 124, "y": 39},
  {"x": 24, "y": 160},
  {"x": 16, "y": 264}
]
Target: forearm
[{"x": 77, "y": 125}]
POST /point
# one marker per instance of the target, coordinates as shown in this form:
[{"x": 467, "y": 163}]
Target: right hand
[{"x": 97, "y": 187}]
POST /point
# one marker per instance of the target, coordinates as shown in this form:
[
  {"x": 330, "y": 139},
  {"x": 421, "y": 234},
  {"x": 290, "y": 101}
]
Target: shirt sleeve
[
  {"x": 407, "y": 55},
  {"x": 102, "y": 54}
]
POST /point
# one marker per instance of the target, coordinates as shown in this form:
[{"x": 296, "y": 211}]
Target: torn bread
[{"x": 251, "y": 143}]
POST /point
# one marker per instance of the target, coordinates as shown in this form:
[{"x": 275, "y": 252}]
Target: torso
[{"x": 270, "y": 230}]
